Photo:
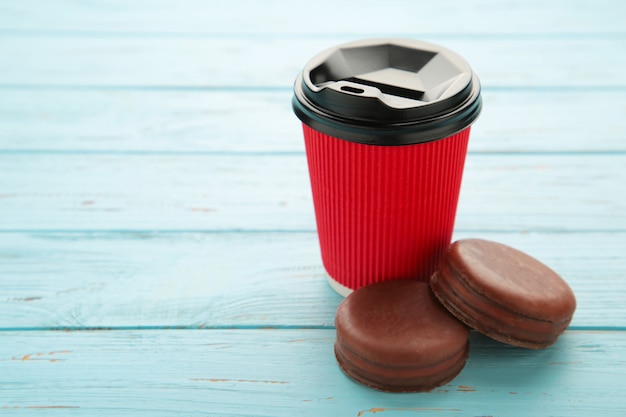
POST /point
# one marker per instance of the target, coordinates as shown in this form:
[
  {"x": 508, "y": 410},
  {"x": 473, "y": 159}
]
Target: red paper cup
[{"x": 386, "y": 127}]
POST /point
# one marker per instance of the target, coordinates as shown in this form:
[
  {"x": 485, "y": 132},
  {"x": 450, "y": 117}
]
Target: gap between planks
[{"x": 236, "y": 327}]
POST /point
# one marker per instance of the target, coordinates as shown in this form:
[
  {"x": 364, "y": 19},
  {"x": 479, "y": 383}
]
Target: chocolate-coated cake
[
  {"x": 504, "y": 293},
  {"x": 395, "y": 336}
]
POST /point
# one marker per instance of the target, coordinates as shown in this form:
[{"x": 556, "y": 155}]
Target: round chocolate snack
[
  {"x": 504, "y": 293},
  {"x": 395, "y": 336}
]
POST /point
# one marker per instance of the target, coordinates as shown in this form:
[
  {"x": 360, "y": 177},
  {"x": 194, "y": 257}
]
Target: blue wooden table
[{"x": 158, "y": 251}]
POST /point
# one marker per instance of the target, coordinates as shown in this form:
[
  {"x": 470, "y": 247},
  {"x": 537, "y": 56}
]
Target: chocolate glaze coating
[
  {"x": 504, "y": 293},
  {"x": 395, "y": 336}
]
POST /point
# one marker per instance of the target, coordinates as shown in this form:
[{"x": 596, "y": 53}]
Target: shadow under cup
[{"x": 386, "y": 127}]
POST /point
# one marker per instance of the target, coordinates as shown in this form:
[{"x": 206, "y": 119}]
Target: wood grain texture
[
  {"x": 262, "y": 121},
  {"x": 184, "y": 373},
  {"x": 247, "y": 17},
  {"x": 200, "y": 280},
  {"x": 271, "y": 192},
  {"x": 163, "y": 62}
]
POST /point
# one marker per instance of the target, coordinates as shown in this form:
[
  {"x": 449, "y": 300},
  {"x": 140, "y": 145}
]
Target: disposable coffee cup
[{"x": 386, "y": 126}]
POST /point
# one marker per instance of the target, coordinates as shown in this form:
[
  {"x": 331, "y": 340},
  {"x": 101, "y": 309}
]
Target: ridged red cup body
[
  {"x": 384, "y": 212},
  {"x": 386, "y": 127}
]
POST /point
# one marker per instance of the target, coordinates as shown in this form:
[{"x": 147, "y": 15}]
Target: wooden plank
[
  {"x": 120, "y": 280},
  {"x": 532, "y": 192},
  {"x": 287, "y": 372},
  {"x": 262, "y": 121},
  {"x": 186, "y": 17},
  {"x": 166, "y": 62}
]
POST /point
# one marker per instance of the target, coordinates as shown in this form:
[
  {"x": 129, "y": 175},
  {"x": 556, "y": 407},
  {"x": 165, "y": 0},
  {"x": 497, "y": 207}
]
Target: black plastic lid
[{"x": 387, "y": 92}]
